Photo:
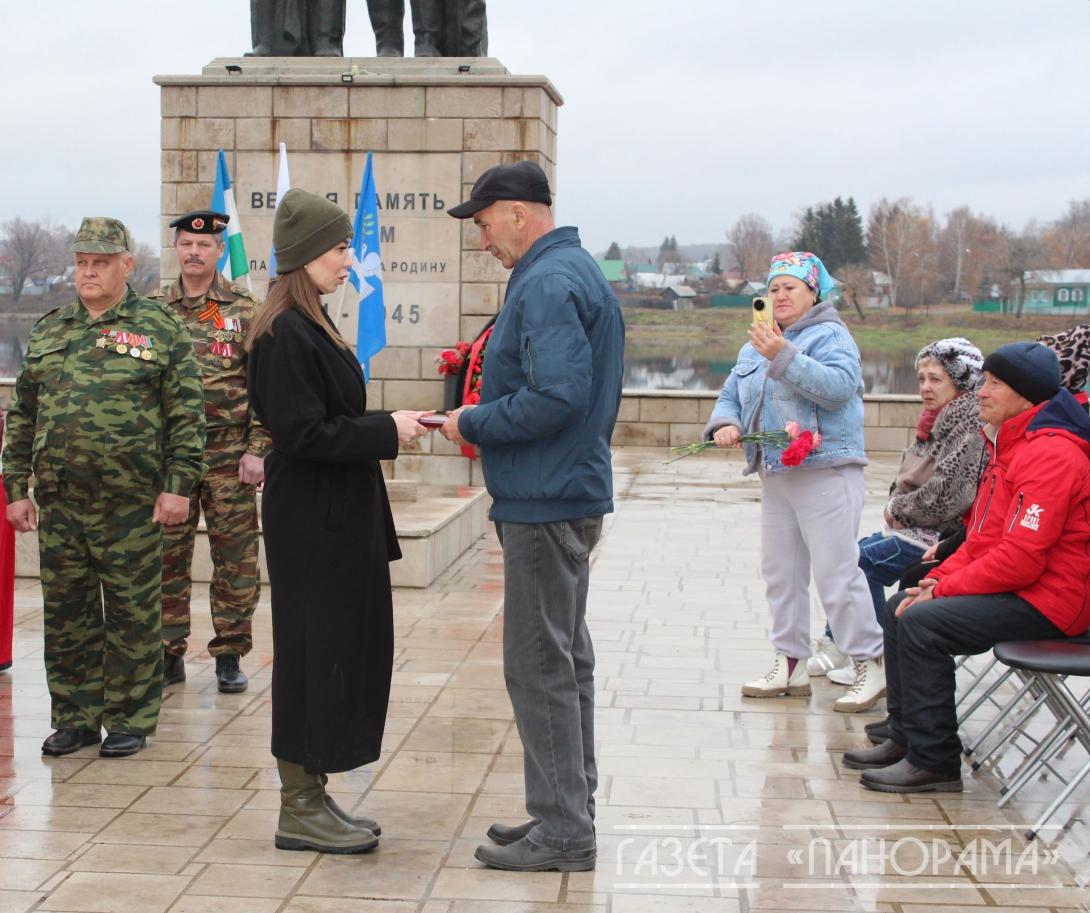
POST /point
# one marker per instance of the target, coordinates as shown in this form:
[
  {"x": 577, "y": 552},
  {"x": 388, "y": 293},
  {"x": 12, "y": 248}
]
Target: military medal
[
  {"x": 101, "y": 342},
  {"x": 224, "y": 350},
  {"x": 147, "y": 355},
  {"x": 134, "y": 352}
]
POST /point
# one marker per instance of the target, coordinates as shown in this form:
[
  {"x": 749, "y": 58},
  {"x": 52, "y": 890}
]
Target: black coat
[{"x": 329, "y": 538}]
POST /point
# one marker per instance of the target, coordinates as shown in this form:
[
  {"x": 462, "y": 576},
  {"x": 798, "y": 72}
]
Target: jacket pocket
[{"x": 45, "y": 361}]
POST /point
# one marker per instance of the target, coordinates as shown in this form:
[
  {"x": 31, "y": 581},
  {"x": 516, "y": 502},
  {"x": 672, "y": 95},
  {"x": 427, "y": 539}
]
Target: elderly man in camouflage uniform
[
  {"x": 217, "y": 314},
  {"x": 107, "y": 416}
]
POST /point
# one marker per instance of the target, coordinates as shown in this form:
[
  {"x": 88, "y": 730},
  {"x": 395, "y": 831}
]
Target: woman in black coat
[{"x": 329, "y": 533}]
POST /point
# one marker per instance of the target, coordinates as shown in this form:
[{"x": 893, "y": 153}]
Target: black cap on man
[{"x": 202, "y": 222}]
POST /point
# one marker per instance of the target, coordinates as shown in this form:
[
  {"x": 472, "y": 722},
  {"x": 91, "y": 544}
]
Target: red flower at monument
[
  {"x": 799, "y": 449},
  {"x": 449, "y": 362}
]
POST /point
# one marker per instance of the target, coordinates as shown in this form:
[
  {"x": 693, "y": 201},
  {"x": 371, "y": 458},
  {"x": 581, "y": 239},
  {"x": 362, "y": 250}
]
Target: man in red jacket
[{"x": 1023, "y": 572}]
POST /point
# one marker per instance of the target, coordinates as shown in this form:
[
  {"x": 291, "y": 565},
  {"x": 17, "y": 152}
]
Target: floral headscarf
[{"x": 805, "y": 266}]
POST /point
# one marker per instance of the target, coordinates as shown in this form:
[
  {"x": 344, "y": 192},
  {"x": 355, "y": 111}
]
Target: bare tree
[
  {"x": 27, "y": 248},
  {"x": 901, "y": 244},
  {"x": 1022, "y": 252},
  {"x": 145, "y": 269},
  {"x": 750, "y": 244},
  {"x": 857, "y": 281},
  {"x": 1067, "y": 240}
]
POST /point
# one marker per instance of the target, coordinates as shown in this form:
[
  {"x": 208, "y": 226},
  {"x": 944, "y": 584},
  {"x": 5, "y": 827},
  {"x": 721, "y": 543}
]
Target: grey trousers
[
  {"x": 810, "y": 526},
  {"x": 548, "y": 664}
]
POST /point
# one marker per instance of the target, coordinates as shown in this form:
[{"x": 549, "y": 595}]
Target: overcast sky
[{"x": 678, "y": 117}]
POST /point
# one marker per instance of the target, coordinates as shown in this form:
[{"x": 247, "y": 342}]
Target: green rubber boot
[
  {"x": 306, "y": 822},
  {"x": 370, "y": 823}
]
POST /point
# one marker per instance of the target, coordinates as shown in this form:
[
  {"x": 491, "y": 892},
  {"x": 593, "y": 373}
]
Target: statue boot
[
  {"x": 427, "y": 28},
  {"x": 387, "y": 21}
]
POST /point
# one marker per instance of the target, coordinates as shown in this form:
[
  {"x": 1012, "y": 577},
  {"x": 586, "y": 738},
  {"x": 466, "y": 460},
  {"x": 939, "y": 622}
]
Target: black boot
[
  {"x": 878, "y": 732},
  {"x": 232, "y": 680},
  {"x": 173, "y": 668},
  {"x": 889, "y": 752},
  {"x": 65, "y": 741}
]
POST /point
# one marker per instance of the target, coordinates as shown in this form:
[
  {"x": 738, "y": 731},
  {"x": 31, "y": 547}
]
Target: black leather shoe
[
  {"x": 121, "y": 744},
  {"x": 65, "y": 741},
  {"x": 878, "y": 732},
  {"x": 524, "y": 856},
  {"x": 232, "y": 680},
  {"x": 904, "y": 777},
  {"x": 889, "y": 752},
  {"x": 506, "y": 834},
  {"x": 173, "y": 668}
]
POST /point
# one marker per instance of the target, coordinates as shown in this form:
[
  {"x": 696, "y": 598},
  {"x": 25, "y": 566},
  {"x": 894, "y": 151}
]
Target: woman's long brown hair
[{"x": 291, "y": 290}]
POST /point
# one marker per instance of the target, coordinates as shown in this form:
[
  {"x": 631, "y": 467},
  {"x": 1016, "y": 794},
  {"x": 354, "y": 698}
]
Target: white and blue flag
[
  {"x": 283, "y": 185},
  {"x": 366, "y": 273}
]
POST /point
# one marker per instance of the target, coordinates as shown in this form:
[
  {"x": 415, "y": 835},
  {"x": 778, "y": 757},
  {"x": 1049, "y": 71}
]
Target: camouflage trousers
[
  {"x": 100, "y": 564},
  {"x": 230, "y": 516}
]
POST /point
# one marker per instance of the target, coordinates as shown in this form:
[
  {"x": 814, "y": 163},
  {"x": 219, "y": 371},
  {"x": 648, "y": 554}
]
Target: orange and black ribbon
[{"x": 212, "y": 312}]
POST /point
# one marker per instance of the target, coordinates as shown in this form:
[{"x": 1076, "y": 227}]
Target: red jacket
[{"x": 1029, "y": 529}]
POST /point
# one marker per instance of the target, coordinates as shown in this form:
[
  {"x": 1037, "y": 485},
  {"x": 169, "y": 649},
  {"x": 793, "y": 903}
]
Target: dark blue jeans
[
  {"x": 920, "y": 649},
  {"x": 883, "y": 560}
]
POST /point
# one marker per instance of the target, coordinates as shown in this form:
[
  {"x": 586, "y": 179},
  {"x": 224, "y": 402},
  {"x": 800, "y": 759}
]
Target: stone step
[{"x": 434, "y": 528}]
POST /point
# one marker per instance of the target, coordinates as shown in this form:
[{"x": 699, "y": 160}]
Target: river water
[
  {"x": 682, "y": 366},
  {"x": 694, "y": 367}
]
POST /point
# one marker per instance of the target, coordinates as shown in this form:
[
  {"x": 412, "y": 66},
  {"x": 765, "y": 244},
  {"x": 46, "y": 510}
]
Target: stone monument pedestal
[{"x": 434, "y": 125}]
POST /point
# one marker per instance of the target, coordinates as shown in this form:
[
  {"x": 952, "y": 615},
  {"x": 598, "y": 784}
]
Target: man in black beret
[{"x": 217, "y": 313}]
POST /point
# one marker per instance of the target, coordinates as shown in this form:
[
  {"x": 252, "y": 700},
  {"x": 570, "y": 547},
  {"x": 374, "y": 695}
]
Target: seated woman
[{"x": 934, "y": 486}]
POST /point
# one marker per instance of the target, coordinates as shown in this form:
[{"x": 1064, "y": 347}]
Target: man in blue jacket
[{"x": 550, "y": 393}]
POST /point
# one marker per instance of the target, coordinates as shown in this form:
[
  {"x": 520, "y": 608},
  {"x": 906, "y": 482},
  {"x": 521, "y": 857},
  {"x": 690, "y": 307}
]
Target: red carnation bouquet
[
  {"x": 449, "y": 362},
  {"x": 795, "y": 442}
]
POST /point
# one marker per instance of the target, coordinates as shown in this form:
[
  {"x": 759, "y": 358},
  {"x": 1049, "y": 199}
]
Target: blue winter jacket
[
  {"x": 815, "y": 380},
  {"x": 551, "y": 388}
]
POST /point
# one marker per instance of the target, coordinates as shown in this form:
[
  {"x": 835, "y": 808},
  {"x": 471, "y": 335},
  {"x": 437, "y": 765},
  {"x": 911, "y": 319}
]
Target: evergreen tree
[
  {"x": 833, "y": 231},
  {"x": 614, "y": 252},
  {"x": 716, "y": 267}
]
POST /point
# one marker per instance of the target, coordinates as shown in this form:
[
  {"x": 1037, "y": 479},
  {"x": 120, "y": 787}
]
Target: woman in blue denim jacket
[{"x": 805, "y": 368}]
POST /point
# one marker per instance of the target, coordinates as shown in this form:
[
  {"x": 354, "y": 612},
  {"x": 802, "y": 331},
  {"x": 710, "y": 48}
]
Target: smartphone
[
  {"x": 762, "y": 310},
  {"x": 434, "y": 421}
]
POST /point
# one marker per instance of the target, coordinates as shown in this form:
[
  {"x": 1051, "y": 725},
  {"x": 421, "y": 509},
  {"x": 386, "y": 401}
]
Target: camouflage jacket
[
  {"x": 222, "y": 360},
  {"x": 110, "y": 406}
]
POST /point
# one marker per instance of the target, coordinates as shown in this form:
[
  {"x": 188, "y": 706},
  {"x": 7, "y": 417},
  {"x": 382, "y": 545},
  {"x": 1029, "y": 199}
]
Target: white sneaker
[
  {"x": 778, "y": 682},
  {"x": 868, "y": 690},
  {"x": 827, "y": 656},
  {"x": 845, "y": 675}
]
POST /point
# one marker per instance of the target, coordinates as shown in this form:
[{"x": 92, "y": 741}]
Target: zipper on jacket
[
  {"x": 1017, "y": 510},
  {"x": 530, "y": 362},
  {"x": 987, "y": 504}
]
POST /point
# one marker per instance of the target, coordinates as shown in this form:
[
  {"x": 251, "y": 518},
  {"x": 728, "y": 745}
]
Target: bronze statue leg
[
  {"x": 326, "y": 28},
  {"x": 387, "y": 21},
  {"x": 262, "y": 17},
  {"x": 428, "y": 28}
]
